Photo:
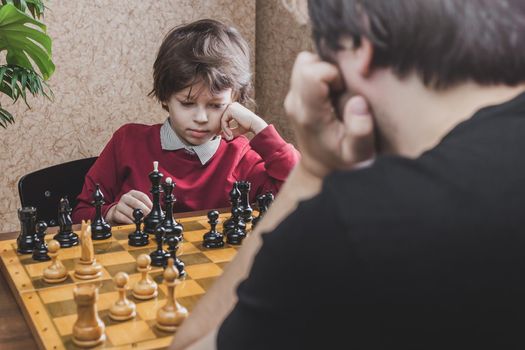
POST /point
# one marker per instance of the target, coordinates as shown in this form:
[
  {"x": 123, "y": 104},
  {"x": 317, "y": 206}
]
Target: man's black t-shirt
[{"x": 425, "y": 253}]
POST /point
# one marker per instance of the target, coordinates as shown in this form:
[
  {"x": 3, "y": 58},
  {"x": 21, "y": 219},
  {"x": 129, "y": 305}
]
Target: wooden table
[{"x": 14, "y": 331}]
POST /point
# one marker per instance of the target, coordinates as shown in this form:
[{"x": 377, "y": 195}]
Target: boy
[
  {"x": 201, "y": 77},
  {"x": 422, "y": 248}
]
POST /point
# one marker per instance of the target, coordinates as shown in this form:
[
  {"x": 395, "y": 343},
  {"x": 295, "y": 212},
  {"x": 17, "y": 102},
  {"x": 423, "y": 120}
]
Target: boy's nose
[{"x": 200, "y": 116}]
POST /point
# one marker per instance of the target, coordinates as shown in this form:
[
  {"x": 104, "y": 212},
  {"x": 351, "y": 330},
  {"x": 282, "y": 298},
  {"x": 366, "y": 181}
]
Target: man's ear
[{"x": 364, "y": 54}]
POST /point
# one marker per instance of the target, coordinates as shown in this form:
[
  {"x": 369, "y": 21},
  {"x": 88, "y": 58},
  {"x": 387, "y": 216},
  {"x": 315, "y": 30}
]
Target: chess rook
[
  {"x": 246, "y": 209},
  {"x": 65, "y": 236},
  {"x": 56, "y": 272},
  {"x": 88, "y": 329},
  {"x": 172, "y": 314},
  {"x": 213, "y": 238},
  {"x": 171, "y": 226},
  {"x": 100, "y": 229},
  {"x": 25, "y": 242},
  {"x": 156, "y": 215},
  {"x": 145, "y": 288},
  {"x": 40, "y": 249}
]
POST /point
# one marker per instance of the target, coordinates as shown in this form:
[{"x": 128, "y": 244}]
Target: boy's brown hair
[
  {"x": 445, "y": 42},
  {"x": 205, "y": 50}
]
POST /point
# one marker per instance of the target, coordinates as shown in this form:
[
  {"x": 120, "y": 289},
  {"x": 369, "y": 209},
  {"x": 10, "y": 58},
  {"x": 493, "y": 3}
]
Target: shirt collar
[{"x": 170, "y": 141}]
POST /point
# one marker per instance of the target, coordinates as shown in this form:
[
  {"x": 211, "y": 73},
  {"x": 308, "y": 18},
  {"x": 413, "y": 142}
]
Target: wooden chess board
[{"x": 50, "y": 311}]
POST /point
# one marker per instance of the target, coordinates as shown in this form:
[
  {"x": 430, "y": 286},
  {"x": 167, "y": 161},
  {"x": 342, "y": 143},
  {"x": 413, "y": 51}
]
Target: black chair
[{"x": 44, "y": 188}]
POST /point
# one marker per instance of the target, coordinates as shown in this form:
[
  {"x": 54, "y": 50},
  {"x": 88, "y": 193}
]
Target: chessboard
[{"x": 50, "y": 310}]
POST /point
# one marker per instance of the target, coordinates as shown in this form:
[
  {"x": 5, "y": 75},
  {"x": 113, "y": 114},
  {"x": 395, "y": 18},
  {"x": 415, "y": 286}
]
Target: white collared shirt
[{"x": 170, "y": 141}]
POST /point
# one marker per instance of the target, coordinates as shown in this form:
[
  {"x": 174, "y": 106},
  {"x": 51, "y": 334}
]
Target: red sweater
[{"x": 127, "y": 160}]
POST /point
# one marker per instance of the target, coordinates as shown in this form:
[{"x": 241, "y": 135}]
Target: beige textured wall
[
  {"x": 279, "y": 38},
  {"x": 104, "y": 52}
]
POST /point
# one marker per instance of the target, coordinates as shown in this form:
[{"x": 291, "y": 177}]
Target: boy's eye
[
  {"x": 187, "y": 103},
  {"x": 218, "y": 105}
]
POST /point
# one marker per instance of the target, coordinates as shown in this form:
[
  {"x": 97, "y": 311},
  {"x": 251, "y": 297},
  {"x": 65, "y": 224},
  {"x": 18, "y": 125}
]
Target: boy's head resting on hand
[{"x": 200, "y": 69}]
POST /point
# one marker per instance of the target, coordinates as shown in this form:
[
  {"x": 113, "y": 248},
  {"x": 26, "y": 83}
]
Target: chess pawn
[
  {"x": 87, "y": 267},
  {"x": 123, "y": 309},
  {"x": 65, "y": 236},
  {"x": 56, "y": 272},
  {"x": 26, "y": 240},
  {"x": 171, "y": 315},
  {"x": 159, "y": 256},
  {"x": 173, "y": 245},
  {"x": 138, "y": 238},
  {"x": 100, "y": 229},
  {"x": 237, "y": 231},
  {"x": 145, "y": 288},
  {"x": 88, "y": 329},
  {"x": 213, "y": 238},
  {"x": 261, "y": 205},
  {"x": 40, "y": 250}
]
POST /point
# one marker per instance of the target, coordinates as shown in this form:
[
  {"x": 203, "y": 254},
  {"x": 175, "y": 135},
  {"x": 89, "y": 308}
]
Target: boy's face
[{"x": 195, "y": 113}]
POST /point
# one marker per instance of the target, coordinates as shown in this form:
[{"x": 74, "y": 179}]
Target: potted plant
[{"x": 27, "y": 49}]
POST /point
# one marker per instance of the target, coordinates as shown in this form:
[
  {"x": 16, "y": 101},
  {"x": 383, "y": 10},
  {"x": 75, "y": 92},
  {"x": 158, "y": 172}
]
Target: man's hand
[
  {"x": 327, "y": 142},
  {"x": 245, "y": 119},
  {"x": 122, "y": 212}
]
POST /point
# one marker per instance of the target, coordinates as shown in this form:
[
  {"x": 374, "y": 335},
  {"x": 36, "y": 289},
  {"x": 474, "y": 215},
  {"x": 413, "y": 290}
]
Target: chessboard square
[
  {"x": 194, "y": 259},
  {"x": 194, "y": 236},
  {"x": 148, "y": 310},
  {"x": 62, "y": 308},
  {"x": 118, "y": 258},
  {"x": 206, "y": 283},
  {"x": 162, "y": 336},
  {"x": 187, "y": 248},
  {"x": 129, "y": 268},
  {"x": 184, "y": 289},
  {"x": 39, "y": 283},
  {"x": 203, "y": 270},
  {"x": 64, "y": 324},
  {"x": 149, "y": 247},
  {"x": 107, "y": 246},
  {"x": 52, "y": 295},
  {"x": 122, "y": 233},
  {"x": 189, "y": 302},
  {"x": 105, "y": 300},
  {"x": 192, "y": 225},
  {"x": 69, "y": 253},
  {"x": 220, "y": 255},
  {"x": 36, "y": 270},
  {"x": 129, "y": 333}
]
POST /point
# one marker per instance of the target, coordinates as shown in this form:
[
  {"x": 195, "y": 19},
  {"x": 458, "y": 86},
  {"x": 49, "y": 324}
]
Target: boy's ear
[{"x": 365, "y": 53}]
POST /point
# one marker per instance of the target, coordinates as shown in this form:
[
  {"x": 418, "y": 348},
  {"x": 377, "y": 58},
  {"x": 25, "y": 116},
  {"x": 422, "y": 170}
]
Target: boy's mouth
[{"x": 198, "y": 133}]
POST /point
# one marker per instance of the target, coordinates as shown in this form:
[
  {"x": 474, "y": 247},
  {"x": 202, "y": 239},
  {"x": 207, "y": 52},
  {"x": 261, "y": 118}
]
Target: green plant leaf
[
  {"x": 24, "y": 43},
  {"x": 5, "y": 117}
]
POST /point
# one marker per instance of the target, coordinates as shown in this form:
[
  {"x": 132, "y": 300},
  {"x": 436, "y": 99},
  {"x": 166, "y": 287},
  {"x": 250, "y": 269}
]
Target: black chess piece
[
  {"x": 173, "y": 244},
  {"x": 40, "y": 249},
  {"x": 65, "y": 236},
  {"x": 213, "y": 238},
  {"x": 269, "y": 199},
  {"x": 237, "y": 233},
  {"x": 138, "y": 238},
  {"x": 156, "y": 215},
  {"x": 244, "y": 189},
  {"x": 235, "y": 196},
  {"x": 26, "y": 239},
  {"x": 100, "y": 229},
  {"x": 261, "y": 206},
  {"x": 159, "y": 257},
  {"x": 171, "y": 226}
]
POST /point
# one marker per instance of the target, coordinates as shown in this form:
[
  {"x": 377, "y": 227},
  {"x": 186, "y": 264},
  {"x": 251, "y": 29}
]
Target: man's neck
[{"x": 425, "y": 116}]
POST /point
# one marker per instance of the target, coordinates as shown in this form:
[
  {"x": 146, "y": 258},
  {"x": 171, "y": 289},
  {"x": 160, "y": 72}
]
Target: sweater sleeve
[
  {"x": 104, "y": 172},
  {"x": 268, "y": 163}
]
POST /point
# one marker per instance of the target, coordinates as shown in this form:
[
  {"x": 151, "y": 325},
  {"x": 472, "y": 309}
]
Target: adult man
[{"x": 424, "y": 247}]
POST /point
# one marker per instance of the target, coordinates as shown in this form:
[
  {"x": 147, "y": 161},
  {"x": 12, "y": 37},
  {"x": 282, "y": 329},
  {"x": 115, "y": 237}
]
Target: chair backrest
[{"x": 44, "y": 188}]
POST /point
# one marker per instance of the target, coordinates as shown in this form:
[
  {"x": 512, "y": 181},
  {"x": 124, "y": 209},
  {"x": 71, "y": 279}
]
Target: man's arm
[{"x": 217, "y": 303}]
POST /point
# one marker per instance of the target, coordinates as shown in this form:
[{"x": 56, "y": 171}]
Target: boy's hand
[
  {"x": 327, "y": 142},
  {"x": 122, "y": 212},
  {"x": 245, "y": 119}
]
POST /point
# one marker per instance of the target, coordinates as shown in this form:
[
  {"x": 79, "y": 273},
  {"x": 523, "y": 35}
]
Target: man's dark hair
[
  {"x": 205, "y": 50},
  {"x": 444, "y": 41}
]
